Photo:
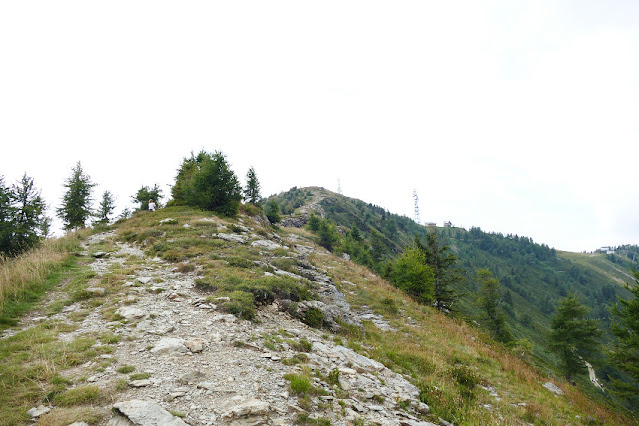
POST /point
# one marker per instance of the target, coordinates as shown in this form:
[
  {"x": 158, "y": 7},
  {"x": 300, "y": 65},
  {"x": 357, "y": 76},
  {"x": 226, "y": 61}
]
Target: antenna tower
[
  {"x": 339, "y": 187},
  {"x": 416, "y": 198}
]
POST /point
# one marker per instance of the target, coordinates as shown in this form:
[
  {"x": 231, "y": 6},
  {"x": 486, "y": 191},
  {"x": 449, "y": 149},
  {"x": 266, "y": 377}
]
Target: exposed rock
[
  {"x": 100, "y": 254},
  {"x": 144, "y": 413},
  {"x": 140, "y": 383},
  {"x": 168, "y": 221},
  {"x": 266, "y": 244},
  {"x": 98, "y": 291},
  {"x": 248, "y": 408},
  {"x": 295, "y": 222},
  {"x": 38, "y": 411},
  {"x": 234, "y": 238},
  {"x": 169, "y": 346},
  {"x": 192, "y": 377},
  {"x": 130, "y": 313},
  {"x": 553, "y": 388},
  {"x": 195, "y": 345}
]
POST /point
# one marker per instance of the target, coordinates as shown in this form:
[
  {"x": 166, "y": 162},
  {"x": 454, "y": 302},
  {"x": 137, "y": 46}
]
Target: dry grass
[{"x": 20, "y": 274}]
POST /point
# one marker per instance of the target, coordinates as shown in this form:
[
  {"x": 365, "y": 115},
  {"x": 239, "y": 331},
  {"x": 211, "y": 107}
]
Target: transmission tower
[
  {"x": 339, "y": 187},
  {"x": 416, "y": 198}
]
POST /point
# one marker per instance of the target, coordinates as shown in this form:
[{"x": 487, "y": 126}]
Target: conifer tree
[
  {"x": 207, "y": 181},
  {"x": 106, "y": 207},
  {"x": 490, "y": 299},
  {"x": 442, "y": 261},
  {"x": 625, "y": 352},
  {"x": 572, "y": 335},
  {"x": 6, "y": 217},
  {"x": 145, "y": 194},
  {"x": 412, "y": 274},
  {"x": 76, "y": 202},
  {"x": 273, "y": 211},
  {"x": 22, "y": 220},
  {"x": 30, "y": 222},
  {"x": 252, "y": 190}
]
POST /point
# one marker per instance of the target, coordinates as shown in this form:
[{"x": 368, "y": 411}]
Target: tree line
[{"x": 204, "y": 181}]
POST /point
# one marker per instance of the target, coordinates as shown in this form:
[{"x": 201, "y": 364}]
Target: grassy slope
[
  {"x": 600, "y": 264},
  {"x": 535, "y": 277},
  {"x": 448, "y": 359}
]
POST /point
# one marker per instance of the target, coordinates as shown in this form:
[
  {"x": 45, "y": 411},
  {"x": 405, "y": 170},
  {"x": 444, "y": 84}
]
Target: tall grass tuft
[{"x": 23, "y": 276}]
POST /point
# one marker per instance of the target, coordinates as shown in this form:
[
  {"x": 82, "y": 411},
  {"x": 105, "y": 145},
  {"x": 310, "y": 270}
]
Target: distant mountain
[{"x": 534, "y": 277}]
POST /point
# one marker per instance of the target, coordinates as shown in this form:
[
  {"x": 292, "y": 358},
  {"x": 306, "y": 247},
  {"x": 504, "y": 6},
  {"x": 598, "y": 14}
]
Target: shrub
[
  {"x": 240, "y": 262},
  {"x": 465, "y": 378},
  {"x": 313, "y": 317},
  {"x": 413, "y": 275},
  {"x": 242, "y": 305},
  {"x": 273, "y": 212},
  {"x": 300, "y": 383}
]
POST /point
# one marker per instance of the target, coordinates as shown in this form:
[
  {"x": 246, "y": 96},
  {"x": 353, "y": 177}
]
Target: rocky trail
[{"x": 193, "y": 364}]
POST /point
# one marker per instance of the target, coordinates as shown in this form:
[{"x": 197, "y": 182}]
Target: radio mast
[{"x": 416, "y": 198}]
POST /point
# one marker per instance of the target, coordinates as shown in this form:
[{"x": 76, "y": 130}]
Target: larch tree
[
  {"x": 23, "y": 223},
  {"x": 206, "y": 181},
  {"x": 442, "y": 260},
  {"x": 252, "y": 189},
  {"x": 625, "y": 351},
  {"x": 490, "y": 299},
  {"x": 573, "y": 335},
  {"x": 106, "y": 207},
  {"x": 76, "y": 202}
]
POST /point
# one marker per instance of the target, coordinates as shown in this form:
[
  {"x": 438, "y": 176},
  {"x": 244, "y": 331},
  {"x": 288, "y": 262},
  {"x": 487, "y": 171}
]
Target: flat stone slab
[
  {"x": 130, "y": 313},
  {"x": 241, "y": 239},
  {"x": 168, "y": 346},
  {"x": 38, "y": 411},
  {"x": 267, "y": 244},
  {"x": 143, "y": 413}
]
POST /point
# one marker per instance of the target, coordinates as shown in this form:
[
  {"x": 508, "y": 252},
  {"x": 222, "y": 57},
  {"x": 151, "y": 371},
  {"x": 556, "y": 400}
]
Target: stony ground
[{"x": 179, "y": 360}]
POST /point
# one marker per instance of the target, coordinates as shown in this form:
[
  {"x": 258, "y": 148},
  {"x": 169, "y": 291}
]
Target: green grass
[
  {"x": 126, "y": 369},
  {"x": 82, "y": 395},
  {"x": 139, "y": 376}
]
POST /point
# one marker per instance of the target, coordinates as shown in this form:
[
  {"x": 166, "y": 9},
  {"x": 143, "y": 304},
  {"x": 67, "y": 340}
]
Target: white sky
[{"x": 515, "y": 116}]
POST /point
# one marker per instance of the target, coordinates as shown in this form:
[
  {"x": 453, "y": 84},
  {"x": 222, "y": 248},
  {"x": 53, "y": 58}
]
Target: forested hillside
[{"x": 533, "y": 276}]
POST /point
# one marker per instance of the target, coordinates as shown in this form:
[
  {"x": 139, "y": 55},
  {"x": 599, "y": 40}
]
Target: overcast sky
[{"x": 515, "y": 116}]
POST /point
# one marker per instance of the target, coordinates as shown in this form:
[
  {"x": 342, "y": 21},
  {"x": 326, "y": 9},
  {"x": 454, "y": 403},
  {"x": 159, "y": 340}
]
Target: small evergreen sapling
[
  {"x": 106, "y": 207},
  {"x": 252, "y": 191}
]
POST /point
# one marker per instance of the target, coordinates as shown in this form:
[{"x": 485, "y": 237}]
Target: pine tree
[
  {"x": 252, "y": 190},
  {"x": 490, "y": 299},
  {"x": 625, "y": 352},
  {"x": 106, "y": 207},
  {"x": 76, "y": 202},
  {"x": 572, "y": 335}
]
